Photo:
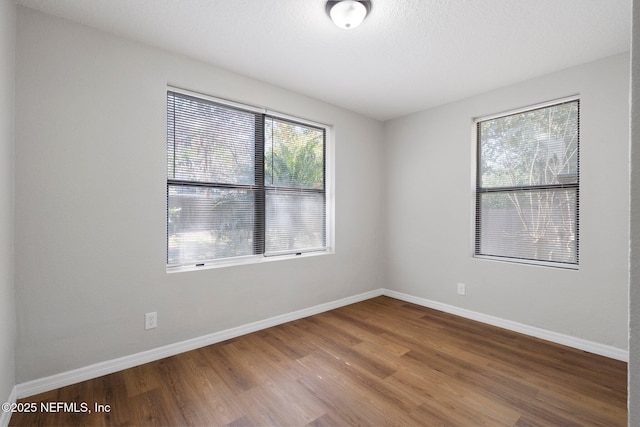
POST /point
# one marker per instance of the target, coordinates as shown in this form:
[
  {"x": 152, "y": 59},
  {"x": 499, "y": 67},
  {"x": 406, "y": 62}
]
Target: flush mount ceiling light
[{"x": 348, "y": 14}]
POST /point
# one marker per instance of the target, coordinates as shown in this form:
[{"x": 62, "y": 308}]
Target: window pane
[
  {"x": 209, "y": 223},
  {"x": 294, "y": 221},
  {"x": 536, "y": 147},
  {"x": 207, "y": 142},
  {"x": 294, "y": 155},
  {"x": 534, "y": 225}
]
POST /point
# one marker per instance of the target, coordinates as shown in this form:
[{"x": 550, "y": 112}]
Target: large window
[
  {"x": 241, "y": 182},
  {"x": 527, "y": 185}
]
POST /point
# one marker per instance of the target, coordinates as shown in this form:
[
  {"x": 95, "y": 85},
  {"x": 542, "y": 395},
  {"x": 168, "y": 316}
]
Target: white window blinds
[
  {"x": 241, "y": 183},
  {"x": 295, "y": 187},
  {"x": 527, "y": 192}
]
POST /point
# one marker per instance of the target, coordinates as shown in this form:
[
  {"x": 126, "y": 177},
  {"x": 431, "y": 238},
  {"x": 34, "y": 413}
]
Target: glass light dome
[{"x": 348, "y": 14}]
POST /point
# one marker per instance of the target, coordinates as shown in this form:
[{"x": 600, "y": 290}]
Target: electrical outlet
[
  {"x": 150, "y": 320},
  {"x": 462, "y": 289}
]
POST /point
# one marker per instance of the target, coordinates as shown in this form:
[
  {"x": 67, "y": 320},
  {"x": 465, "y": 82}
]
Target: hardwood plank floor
[{"x": 378, "y": 362}]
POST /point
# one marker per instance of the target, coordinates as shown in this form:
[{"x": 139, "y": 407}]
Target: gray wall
[
  {"x": 7, "y": 296},
  {"x": 634, "y": 288},
  {"x": 91, "y": 198},
  {"x": 429, "y": 210}
]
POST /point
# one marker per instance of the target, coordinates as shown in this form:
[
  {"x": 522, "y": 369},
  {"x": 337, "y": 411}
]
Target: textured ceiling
[{"x": 407, "y": 56}]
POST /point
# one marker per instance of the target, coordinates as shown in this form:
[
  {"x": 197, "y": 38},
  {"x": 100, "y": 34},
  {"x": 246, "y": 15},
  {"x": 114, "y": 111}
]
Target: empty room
[{"x": 323, "y": 213}]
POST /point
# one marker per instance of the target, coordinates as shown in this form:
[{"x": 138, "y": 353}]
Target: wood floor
[{"x": 378, "y": 362}]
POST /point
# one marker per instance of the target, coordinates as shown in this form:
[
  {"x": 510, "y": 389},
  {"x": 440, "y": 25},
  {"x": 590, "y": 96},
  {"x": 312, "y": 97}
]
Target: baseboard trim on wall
[
  {"x": 578, "y": 343},
  {"x": 5, "y": 417},
  {"x": 96, "y": 370}
]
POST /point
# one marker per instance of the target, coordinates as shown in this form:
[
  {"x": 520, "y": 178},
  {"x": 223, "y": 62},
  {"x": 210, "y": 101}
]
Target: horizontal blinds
[
  {"x": 214, "y": 196},
  {"x": 536, "y": 147},
  {"x": 529, "y": 224},
  {"x": 295, "y": 216},
  {"x": 527, "y": 193},
  {"x": 207, "y": 223},
  {"x": 240, "y": 182},
  {"x": 209, "y": 142}
]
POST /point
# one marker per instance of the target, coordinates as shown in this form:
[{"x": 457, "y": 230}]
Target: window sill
[
  {"x": 248, "y": 260},
  {"x": 529, "y": 262}
]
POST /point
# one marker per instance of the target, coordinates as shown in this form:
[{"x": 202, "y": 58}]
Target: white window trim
[{"x": 245, "y": 260}]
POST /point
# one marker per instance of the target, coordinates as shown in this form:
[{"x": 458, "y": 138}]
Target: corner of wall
[
  {"x": 7, "y": 138},
  {"x": 634, "y": 256}
]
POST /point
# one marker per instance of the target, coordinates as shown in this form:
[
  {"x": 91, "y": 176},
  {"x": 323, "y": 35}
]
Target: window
[
  {"x": 527, "y": 185},
  {"x": 241, "y": 182}
]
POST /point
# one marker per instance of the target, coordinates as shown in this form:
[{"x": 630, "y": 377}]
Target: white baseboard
[
  {"x": 5, "y": 417},
  {"x": 96, "y": 370},
  {"x": 42, "y": 385},
  {"x": 579, "y": 343}
]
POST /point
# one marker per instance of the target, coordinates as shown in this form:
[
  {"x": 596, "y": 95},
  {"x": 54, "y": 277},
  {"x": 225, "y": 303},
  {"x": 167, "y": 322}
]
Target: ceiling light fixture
[{"x": 348, "y": 14}]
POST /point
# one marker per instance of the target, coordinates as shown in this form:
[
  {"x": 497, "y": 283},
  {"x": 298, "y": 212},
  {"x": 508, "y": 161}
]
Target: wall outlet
[
  {"x": 462, "y": 290},
  {"x": 150, "y": 320}
]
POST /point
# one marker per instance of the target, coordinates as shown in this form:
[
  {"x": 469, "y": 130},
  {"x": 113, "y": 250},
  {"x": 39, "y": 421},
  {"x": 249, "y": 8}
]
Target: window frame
[
  {"x": 259, "y": 208},
  {"x": 477, "y": 191}
]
